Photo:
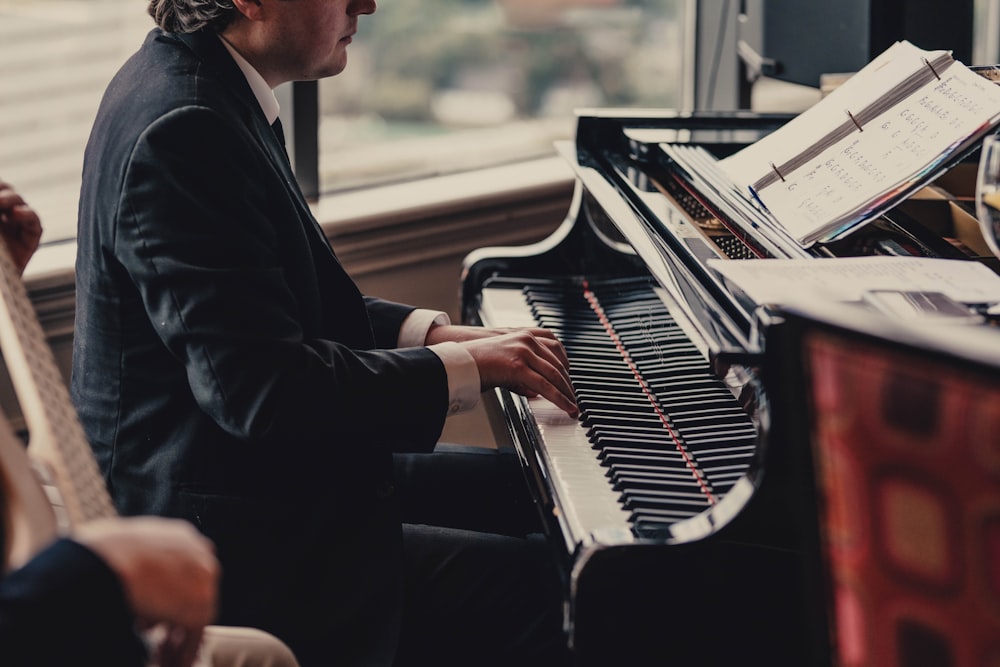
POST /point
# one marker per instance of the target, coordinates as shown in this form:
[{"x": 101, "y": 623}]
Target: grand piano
[{"x": 673, "y": 512}]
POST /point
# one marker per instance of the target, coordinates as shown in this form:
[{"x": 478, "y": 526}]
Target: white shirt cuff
[
  {"x": 413, "y": 333},
  {"x": 463, "y": 376}
]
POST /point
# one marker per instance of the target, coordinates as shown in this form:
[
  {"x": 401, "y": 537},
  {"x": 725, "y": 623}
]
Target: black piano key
[
  {"x": 692, "y": 441},
  {"x": 644, "y": 502},
  {"x": 688, "y": 388},
  {"x": 552, "y": 314},
  {"x": 660, "y": 479},
  {"x": 690, "y": 488},
  {"x": 594, "y": 356},
  {"x": 622, "y": 403},
  {"x": 649, "y": 460},
  {"x": 634, "y": 481},
  {"x": 632, "y": 443},
  {"x": 626, "y": 444},
  {"x": 708, "y": 438},
  {"x": 603, "y": 376},
  {"x": 688, "y": 415},
  {"x": 627, "y": 418},
  {"x": 659, "y": 436},
  {"x": 704, "y": 431},
  {"x": 711, "y": 457},
  {"x": 650, "y": 427},
  {"x": 620, "y": 468},
  {"x": 706, "y": 390},
  {"x": 664, "y": 452},
  {"x": 652, "y": 516},
  {"x": 663, "y": 498},
  {"x": 604, "y": 397}
]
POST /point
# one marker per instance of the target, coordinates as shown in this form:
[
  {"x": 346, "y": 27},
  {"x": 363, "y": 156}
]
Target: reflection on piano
[{"x": 671, "y": 511}]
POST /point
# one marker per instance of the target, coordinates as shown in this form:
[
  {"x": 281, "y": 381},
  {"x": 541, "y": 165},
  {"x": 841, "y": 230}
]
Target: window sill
[
  {"x": 427, "y": 219},
  {"x": 442, "y": 195},
  {"x": 372, "y": 209}
]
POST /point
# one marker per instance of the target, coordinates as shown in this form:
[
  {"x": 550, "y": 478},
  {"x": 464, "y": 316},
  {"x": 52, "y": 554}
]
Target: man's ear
[{"x": 252, "y": 9}]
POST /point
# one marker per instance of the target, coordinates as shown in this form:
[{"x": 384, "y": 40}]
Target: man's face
[{"x": 309, "y": 38}]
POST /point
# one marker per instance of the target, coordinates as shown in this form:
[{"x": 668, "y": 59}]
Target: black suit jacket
[{"x": 226, "y": 368}]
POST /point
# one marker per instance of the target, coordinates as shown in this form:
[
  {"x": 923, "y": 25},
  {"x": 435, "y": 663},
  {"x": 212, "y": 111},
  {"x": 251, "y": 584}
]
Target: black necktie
[{"x": 279, "y": 131}]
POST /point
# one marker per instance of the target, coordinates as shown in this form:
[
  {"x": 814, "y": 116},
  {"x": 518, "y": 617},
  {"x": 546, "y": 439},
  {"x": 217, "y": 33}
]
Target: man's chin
[
  {"x": 323, "y": 73},
  {"x": 334, "y": 68}
]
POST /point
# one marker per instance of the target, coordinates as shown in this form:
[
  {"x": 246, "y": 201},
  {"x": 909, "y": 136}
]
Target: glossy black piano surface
[{"x": 669, "y": 506}]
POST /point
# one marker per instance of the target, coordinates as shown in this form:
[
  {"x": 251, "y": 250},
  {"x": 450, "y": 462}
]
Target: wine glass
[{"x": 988, "y": 192}]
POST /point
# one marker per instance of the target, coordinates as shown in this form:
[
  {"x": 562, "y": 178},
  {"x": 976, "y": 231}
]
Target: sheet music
[
  {"x": 854, "y": 155},
  {"x": 786, "y": 281},
  {"x": 895, "y": 64},
  {"x": 861, "y": 172}
]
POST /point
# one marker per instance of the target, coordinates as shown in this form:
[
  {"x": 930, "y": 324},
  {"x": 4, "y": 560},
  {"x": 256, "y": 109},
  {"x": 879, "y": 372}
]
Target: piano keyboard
[{"x": 660, "y": 438}]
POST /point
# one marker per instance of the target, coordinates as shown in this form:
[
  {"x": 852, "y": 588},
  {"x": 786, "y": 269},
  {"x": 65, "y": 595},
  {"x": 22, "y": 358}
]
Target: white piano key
[{"x": 590, "y": 504}]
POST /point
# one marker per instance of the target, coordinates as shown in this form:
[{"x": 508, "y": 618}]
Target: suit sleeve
[
  {"x": 66, "y": 607},
  {"x": 207, "y": 234},
  {"x": 387, "y": 319}
]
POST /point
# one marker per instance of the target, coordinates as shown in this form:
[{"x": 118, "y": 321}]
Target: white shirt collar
[{"x": 265, "y": 96}]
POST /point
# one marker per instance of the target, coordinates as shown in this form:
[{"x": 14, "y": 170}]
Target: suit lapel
[
  {"x": 209, "y": 49},
  {"x": 354, "y": 330}
]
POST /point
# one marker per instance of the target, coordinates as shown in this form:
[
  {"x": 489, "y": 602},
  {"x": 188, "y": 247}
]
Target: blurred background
[{"x": 432, "y": 86}]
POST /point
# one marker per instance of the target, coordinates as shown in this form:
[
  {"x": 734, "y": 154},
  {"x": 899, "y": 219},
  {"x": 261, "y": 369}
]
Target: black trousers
[{"x": 481, "y": 587}]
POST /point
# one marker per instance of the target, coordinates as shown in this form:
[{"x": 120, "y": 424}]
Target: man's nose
[{"x": 361, "y": 7}]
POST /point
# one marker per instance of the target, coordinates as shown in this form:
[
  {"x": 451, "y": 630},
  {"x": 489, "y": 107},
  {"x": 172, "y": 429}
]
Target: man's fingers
[
  {"x": 529, "y": 361},
  {"x": 556, "y": 364},
  {"x": 555, "y": 347},
  {"x": 554, "y": 395},
  {"x": 557, "y": 376},
  {"x": 552, "y": 382}
]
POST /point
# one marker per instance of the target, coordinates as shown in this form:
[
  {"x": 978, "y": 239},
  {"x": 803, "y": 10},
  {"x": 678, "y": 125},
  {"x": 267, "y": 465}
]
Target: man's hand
[
  {"x": 168, "y": 569},
  {"x": 531, "y": 362},
  {"x": 20, "y": 227}
]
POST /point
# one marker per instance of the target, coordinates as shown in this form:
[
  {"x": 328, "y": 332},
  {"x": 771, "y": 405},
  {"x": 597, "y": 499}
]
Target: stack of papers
[{"x": 789, "y": 281}]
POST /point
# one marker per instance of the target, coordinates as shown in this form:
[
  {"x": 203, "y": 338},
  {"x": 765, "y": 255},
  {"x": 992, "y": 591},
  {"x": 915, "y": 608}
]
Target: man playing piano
[
  {"x": 228, "y": 371},
  {"x": 81, "y": 598}
]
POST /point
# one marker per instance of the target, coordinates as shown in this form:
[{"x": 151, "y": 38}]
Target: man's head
[
  {"x": 192, "y": 15},
  {"x": 296, "y": 40},
  {"x": 285, "y": 40}
]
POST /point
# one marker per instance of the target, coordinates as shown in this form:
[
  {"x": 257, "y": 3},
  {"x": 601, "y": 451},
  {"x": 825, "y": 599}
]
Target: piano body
[{"x": 669, "y": 507}]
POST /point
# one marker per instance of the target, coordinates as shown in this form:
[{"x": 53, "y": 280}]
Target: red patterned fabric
[{"x": 908, "y": 464}]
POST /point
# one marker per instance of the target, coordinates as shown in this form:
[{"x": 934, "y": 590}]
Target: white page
[
  {"x": 892, "y": 150},
  {"x": 783, "y": 281},
  {"x": 895, "y": 64}
]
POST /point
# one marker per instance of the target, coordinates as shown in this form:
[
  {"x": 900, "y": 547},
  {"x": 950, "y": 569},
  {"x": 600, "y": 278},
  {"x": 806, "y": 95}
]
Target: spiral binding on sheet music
[
  {"x": 858, "y": 119},
  {"x": 931, "y": 67}
]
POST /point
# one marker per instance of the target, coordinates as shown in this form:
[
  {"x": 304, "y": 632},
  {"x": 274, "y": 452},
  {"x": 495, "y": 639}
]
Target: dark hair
[{"x": 192, "y": 15}]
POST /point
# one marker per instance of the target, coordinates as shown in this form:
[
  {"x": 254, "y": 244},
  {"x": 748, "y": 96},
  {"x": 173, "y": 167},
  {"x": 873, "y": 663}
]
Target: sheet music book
[{"x": 887, "y": 131}]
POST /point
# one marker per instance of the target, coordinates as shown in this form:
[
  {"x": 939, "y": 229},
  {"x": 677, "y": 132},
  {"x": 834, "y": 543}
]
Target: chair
[{"x": 901, "y": 430}]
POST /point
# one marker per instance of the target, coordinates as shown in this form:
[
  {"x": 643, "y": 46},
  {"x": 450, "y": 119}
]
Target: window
[
  {"x": 432, "y": 86},
  {"x": 440, "y": 86},
  {"x": 57, "y": 57}
]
